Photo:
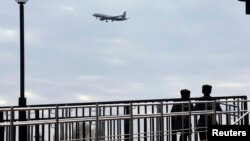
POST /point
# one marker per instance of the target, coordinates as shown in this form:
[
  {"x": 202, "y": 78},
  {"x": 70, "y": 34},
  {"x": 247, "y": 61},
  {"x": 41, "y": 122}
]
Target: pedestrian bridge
[{"x": 136, "y": 120}]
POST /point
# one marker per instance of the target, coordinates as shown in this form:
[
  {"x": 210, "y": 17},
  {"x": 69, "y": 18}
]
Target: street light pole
[
  {"x": 22, "y": 100},
  {"x": 247, "y": 6}
]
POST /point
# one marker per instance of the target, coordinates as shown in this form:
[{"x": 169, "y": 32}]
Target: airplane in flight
[{"x": 112, "y": 18}]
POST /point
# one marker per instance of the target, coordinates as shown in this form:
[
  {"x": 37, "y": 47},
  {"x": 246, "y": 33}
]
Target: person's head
[
  {"x": 185, "y": 94},
  {"x": 206, "y": 89}
]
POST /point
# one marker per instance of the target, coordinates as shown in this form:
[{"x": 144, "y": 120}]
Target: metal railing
[{"x": 138, "y": 120}]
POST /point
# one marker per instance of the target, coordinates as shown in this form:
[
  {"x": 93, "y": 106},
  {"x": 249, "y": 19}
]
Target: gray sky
[{"x": 165, "y": 46}]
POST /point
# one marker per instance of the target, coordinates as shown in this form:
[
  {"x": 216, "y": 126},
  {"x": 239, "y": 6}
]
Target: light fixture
[{"x": 21, "y": 1}]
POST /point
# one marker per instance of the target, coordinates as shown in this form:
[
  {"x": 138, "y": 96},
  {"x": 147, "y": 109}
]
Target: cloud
[
  {"x": 138, "y": 86},
  {"x": 32, "y": 95},
  {"x": 86, "y": 78},
  {"x": 68, "y": 8},
  {"x": 232, "y": 85},
  {"x": 8, "y": 35},
  {"x": 125, "y": 88},
  {"x": 40, "y": 80},
  {"x": 116, "y": 61},
  {"x": 3, "y": 102},
  {"x": 83, "y": 97}
]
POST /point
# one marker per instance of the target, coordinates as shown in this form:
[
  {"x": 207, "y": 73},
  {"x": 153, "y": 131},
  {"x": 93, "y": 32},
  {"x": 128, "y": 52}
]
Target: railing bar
[
  {"x": 33, "y": 107},
  {"x": 238, "y": 108},
  {"x": 114, "y": 124},
  {"x": 8, "y": 133},
  {"x": 234, "y": 109},
  {"x": 104, "y": 122},
  {"x": 241, "y": 113},
  {"x": 70, "y": 129},
  {"x": 56, "y": 124},
  {"x": 117, "y": 122},
  {"x": 241, "y": 118},
  {"x": 28, "y": 127},
  {"x": 162, "y": 123},
  {"x": 119, "y": 102},
  {"x": 83, "y": 124},
  {"x": 137, "y": 101},
  {"x": 145, "y": 124},
  {"x": 49, "y": 132},
  {"x": 110, "y": 127},
  {"x": 152, "y": 120},
  {"x": 12, "y": 134},
  {"x": 42, "y": 125},
  {"x": 190, "y": 108},
  {"x": 97, "y": 123},
  {"x": 138, "y": 122},
  {"x": 118, "y": 125},
  {"x": 32, "y": 132},
  {"x": 168, "y": 123},
  {"x": 131, "y": 122},
  {"x": 66, "y": 124},
  {"x": 246, "y": 117},
  {"x": 90, "y": 123}
]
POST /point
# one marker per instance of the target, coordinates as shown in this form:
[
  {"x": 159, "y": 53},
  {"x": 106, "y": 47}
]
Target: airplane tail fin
[{"x": 124, "y": 15}]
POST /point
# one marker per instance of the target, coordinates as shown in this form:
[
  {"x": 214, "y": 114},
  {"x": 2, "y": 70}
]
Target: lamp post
[
  {"x": 22, "y": 99},
  {"x": 247, "y": 6}
]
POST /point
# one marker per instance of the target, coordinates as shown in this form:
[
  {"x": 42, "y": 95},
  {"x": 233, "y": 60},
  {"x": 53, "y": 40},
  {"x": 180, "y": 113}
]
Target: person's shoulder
[
  {"x": 202, "y": 98},
  {"x": 206, "y": 98}
]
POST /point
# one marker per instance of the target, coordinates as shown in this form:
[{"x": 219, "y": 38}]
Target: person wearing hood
[
  {"x": 182, "y": 123},
  {"x": 206, "y": 120}
]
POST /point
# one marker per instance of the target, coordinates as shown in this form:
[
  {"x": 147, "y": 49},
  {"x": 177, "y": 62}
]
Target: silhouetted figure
[
  {"x": 206, "y": 119},
  {"x": 181, "y": 123}
]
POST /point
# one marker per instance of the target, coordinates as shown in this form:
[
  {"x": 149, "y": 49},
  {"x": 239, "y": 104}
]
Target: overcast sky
[{"x": 165, "y": 46}]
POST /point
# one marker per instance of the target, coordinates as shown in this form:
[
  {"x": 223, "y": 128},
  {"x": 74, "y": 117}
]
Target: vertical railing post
[
  {"x": 162, "y": 123},
  {"x": 97, "y": 122},
  {"x": 1, "y": 128},
  {"x": 131, "y": 131},
  {"x": 126, "y": 124},
  {"x": 83, "y": 125},
  {"x": 37, "y": 132},
  {"x": 12, "y": 130},
  {"x": 102, "y": 124},
  {"x": 238, "y": 111},
  {"x": 145, "y": 124},
  {"x": 173, "y": 127},
  {"x": 57, "y": 124},
  {"x": 214, "y": 114},
  {"x": 190, "y": 121},
  {"x": 246, "y": 118},
  {"x": 159, "y": 123}
]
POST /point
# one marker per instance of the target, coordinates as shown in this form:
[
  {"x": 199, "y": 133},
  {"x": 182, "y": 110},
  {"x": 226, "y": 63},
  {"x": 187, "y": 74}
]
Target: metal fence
[{"x": 139, "y": 120}]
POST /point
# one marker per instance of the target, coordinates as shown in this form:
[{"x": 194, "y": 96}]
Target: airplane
[{"x": 112, "y": 18}]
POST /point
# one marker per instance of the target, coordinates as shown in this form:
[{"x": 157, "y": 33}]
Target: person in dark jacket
[
  {"x": 182, "y": 123},
  {"x": 206, "y": 120}
]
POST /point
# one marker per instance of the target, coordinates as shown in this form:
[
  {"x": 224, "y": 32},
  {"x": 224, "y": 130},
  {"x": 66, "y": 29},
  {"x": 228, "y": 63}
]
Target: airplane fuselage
[{"x": 112, "y": 18}]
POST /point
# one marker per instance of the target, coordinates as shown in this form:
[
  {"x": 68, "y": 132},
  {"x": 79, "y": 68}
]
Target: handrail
[
  {"x": 129, "y": 101},
  {"x": 241, "y": 118}
]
